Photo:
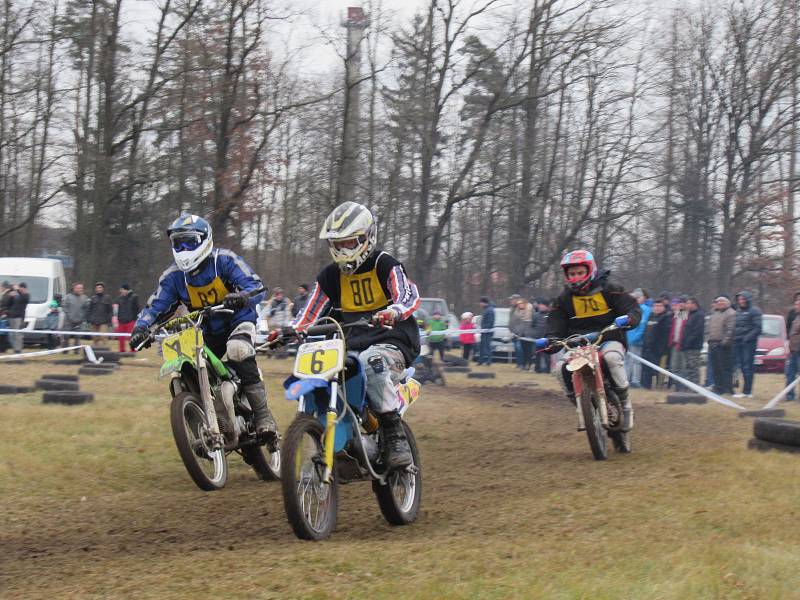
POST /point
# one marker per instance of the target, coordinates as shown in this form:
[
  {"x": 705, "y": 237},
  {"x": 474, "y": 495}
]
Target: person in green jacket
[{"x": 437, "y": 340}]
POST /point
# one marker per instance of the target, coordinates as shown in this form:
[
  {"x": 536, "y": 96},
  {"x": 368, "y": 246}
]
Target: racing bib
[
  {"x": 207, "y": 295},
  {"x": 362, "y": 292},
  {"x": 590, "y": 306}
]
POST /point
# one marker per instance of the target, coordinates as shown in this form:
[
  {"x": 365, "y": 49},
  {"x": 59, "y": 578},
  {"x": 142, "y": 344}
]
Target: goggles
[{"x": 185, "y": 241}]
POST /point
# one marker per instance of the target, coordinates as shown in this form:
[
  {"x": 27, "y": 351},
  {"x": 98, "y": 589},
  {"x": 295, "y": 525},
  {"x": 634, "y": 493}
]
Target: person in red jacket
[{"x": 467, "y": 338}]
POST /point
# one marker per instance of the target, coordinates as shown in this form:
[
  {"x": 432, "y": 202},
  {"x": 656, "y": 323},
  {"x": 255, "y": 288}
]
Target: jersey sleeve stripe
[{"x": 316, "y": 305}]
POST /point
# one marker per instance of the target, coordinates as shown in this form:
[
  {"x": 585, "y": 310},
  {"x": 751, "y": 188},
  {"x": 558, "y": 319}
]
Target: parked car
[
  {"x": 46, "y": 282},
  {"x": 772, "y": 349},
  {"x": 502, "y": 344}
]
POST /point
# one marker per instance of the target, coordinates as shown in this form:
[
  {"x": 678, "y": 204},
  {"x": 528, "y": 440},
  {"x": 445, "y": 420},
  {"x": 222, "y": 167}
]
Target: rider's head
[
  {"x": 191, "y": 241},
  {"x": 352, "y": 235},
  {"x": 579, "y": 270}
]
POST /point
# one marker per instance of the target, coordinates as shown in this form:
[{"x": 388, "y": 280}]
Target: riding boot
[
  {"x": 627, "y": 408},
  {"x": 571, "y": 397},
  {"x": 263, "y": 420},
  {"x": 396, "y": 451}
]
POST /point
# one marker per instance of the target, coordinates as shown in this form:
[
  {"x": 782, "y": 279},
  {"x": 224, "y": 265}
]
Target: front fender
[{"x": 296, "y": 388}]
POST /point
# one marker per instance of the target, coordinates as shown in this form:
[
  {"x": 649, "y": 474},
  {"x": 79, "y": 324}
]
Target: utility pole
[{"x": 355, "y": 24}]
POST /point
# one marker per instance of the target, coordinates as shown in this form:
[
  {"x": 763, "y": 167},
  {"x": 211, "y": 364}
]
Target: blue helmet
[{"x": 191, "y": 241}]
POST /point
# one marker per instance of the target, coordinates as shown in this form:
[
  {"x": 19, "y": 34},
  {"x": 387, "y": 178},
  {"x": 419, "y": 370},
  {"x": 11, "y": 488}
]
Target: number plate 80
[{"x": 321, "y": 360}]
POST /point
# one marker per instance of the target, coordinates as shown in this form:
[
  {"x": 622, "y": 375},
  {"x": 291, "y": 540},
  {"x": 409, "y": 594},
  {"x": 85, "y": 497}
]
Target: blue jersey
[{"x": 223, "y": 272}]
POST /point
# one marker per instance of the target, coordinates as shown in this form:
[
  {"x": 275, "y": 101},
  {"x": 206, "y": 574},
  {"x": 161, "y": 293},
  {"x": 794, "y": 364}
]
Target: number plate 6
[{"x": 320, "y": 360}]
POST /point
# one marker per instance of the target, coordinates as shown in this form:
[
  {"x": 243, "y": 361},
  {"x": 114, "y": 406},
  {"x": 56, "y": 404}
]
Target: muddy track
[{"x": 483, "y": 449}]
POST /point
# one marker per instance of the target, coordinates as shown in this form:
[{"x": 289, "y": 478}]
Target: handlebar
[
  {"x": 582, "y": 339},
  {"x": 319, "y": 330}
]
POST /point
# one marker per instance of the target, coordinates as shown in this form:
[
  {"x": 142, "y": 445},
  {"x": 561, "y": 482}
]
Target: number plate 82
[{"x": 321, "y": 360}]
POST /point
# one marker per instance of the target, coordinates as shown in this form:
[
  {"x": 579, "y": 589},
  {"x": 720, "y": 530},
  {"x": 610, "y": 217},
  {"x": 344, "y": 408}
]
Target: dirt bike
[
  {"x": 209, "y": 413},
  {"x": 598, "y": 407},
  {"x": 335, "y": 437}
]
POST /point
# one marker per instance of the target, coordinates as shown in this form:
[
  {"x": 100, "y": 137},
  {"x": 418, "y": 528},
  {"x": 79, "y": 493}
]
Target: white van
[{"x": 45, "y": 280}]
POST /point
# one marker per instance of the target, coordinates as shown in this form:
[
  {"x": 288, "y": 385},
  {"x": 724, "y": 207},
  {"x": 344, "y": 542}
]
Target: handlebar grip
[
  {"x": 542, "y": 343},
  {"x": 622, "y": 321},
  {"x": 255, "y": 293},
  {"x": 326, "y": 329}
]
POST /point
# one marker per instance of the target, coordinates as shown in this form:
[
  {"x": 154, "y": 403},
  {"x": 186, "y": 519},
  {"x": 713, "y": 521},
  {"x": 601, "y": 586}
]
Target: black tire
[
  {"x": 397, "y": 512},
  {"x": 686, "y": 398},
  {"x": 64, "y": 397},
  {"x": 598, "y": 442},
  {"x": 8, "y": 389},
  {"x": 777, "y": 431},
  {"x": 25, "y": 389},
  {"x": 57, "y": 385},
  {"x": 60, "y": 377},
  {"x": 95, "y": 371},
  {"x": 463, "y": 369},
  {"x": 69, "y": 361},
  {"x": 761, "y": 445},
  {"x": 301, "y": 428},
  {"x": 107, "y": 355},
  {"x": 763, "y": 412},
  {"x": 101, "y": 349},
  {"x": 456, "y": 361},
  {"x": 268, "y": 468},
  {"x": 102, "y": 365},
  {"x": 188, "y": 421},
  {"x": 481, "y": 375}
]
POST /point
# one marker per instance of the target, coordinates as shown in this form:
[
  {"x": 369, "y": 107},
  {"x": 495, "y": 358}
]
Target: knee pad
[{"x": 240, "y": 344}]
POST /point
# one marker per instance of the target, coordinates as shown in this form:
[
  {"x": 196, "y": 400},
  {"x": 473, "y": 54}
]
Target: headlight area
[{"x": 777, "y": 352}]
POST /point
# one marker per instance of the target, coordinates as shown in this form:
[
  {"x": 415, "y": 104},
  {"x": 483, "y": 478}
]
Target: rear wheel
[
  {"x": 266, "y": 464},
  {"x": 621, "y": 439},
  {"x": 311, "y": 503},
  {"x": 591, "y": 419},
  {"x": 399, "y": 498},
  {"x": 208, "y": 468}
]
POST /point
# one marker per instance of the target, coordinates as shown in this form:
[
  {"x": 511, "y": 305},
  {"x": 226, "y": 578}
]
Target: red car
[{"x": 772, "y": 349}]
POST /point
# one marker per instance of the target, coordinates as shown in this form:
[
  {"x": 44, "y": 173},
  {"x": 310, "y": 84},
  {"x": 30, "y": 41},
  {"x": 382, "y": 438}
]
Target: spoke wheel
[
  {"x": 598, "y": 442},
  {"x": 208, "y": 468},
  {"x": 399, "y": 498},
  {"x": 266, "y": 464},
  {"x": 310, "y": 503}
]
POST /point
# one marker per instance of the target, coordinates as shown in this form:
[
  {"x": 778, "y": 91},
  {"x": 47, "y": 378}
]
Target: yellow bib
[
  {"x": 362, "y": 292},
  {"x": 590, "y": 306},
  {"x": 207, "y": 295}
]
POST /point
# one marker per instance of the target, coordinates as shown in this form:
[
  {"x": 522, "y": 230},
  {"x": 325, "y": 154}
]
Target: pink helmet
[{"x": 579, "y": 258}]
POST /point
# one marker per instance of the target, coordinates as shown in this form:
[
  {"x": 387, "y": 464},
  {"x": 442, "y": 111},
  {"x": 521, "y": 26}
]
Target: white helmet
[
  {"x": 191, "y": 241},
  {"x": 351, "y": 233}
]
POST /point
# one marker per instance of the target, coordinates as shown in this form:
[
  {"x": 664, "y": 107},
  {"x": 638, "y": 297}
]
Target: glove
[
  {"x": 622, "y": 322},
  {"x": 273, "y": 336},
  {"x": 235, "y": 301},
  {"x": 139, "y": 335},
  {"x": 386, "y": 317}
]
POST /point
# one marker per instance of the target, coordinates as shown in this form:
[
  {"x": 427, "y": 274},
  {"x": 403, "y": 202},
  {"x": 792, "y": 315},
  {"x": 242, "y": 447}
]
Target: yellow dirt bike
[
  {"x": 335, "y": 437},
  {"x": 209, "y": 413},
  {"x": 598, "y": 407}
]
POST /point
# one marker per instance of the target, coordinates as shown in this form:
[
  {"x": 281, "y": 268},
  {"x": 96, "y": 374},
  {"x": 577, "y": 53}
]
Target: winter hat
[{"x": 125, "y": 286}]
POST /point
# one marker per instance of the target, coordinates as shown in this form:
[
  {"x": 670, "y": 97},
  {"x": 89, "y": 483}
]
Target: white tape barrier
[
  {"x": 772, "y": 403},
  {"x": 68, "y": 333},
  {"x": 88, "y": 350},
  {"x": 692, "y": 386}
]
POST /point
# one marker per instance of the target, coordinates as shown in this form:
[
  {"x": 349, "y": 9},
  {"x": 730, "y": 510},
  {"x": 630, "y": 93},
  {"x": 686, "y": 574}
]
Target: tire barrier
[
  {"x": 15, "y": 389},
  {"x": 761, "y": 445},
  {"x": 456, "y": 369},
  {"x": 60, "y": 376},
  {"x": 777, "y": 431},
  {"x": 67, "y": 397},
  {"x": 57, "y": 385},
  {"x": 481, "y": 375},
  {"x": 93, "y": 370},
  {"x": 685, "y": 398},
  {"x": 763, "y": 412}
]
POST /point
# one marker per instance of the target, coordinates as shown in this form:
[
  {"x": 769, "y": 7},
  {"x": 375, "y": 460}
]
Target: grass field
[{"x": 95, "y": 503}]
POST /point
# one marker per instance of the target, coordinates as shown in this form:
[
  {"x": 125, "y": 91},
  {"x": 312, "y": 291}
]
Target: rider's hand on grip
[
  {"x": 274, "y": 337},
  {"x": 138, "y": 336},
  {"x": 622, "y": 322},
  {"x": 236, "y": 301},
  {"x": 386, "y": 318},
  {"x": 542, "y": 343}
]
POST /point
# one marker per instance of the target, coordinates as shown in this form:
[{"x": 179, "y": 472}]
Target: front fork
[
  {"x": 330, "y": 431},
  {"x": 217, "y": 441},
  {"x": 595, "y": 376}
]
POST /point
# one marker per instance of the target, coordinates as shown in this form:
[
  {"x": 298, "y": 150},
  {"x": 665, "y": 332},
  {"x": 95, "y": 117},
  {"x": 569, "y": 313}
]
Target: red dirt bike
[{"x": 598, "y": 407}]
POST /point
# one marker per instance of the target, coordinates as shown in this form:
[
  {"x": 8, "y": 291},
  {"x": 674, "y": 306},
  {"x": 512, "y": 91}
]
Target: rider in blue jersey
[{"x": 200, "y": 276}]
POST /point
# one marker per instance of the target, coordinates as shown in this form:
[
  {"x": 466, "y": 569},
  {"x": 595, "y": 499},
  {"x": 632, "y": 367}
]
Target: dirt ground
[{"x": 95, "y": 503}]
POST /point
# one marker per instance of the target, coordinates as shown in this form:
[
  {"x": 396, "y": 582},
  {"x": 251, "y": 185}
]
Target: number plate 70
[{"x": 322, "y": 360}]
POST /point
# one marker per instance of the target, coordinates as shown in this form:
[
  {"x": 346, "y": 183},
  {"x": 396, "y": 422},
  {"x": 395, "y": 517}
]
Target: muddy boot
[
  {"x": 627, "y": 409},
  {"x": 264, "y": 423},
  {"x": 571, "y": 397},
  {"x": 396, "y": 451}
]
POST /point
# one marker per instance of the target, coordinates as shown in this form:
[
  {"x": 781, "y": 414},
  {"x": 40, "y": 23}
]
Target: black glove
[
  {"x": 236, "y": 301},
  {"x": 139, "y": 335}
]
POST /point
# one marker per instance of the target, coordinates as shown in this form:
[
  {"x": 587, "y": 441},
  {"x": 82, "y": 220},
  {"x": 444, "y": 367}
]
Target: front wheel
[
  {"x": 208, "y": 468},
  {"x": 591, "y": 419},
  {"x": 311, "y": 503},
  {"x": 399, "y": 498}
]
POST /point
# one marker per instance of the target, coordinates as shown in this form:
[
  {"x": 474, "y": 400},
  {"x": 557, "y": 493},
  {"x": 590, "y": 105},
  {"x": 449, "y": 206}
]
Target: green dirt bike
[
  {"x": 210, "y": 415},
  {"x": 599, "y": 409},
  {"x": 335, "y": 437}
]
